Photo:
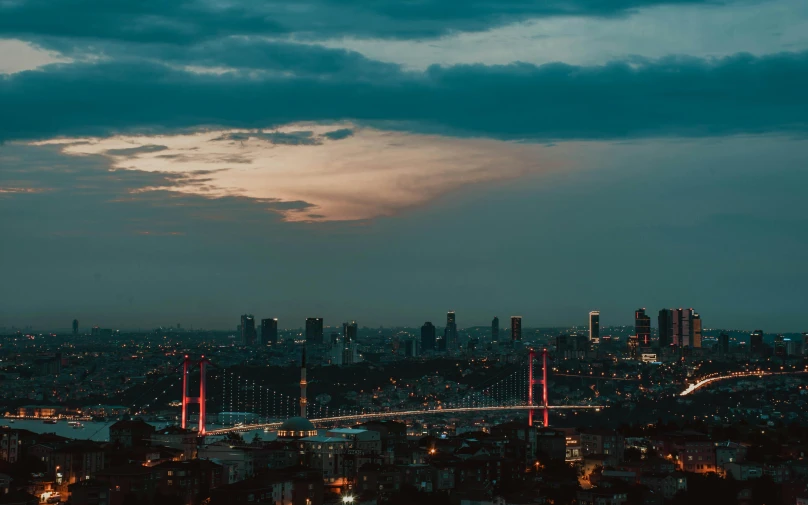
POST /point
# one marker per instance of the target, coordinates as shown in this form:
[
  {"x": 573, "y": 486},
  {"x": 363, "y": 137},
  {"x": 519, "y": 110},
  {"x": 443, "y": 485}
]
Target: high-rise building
[
  {"x": 594, "y": 326},
  {"x": 572, "y": 346},
  {"x": 633, "y": 347},
  {"x": 516, "y": 328},
  {"x": 642, "y": 327},
  {"x": 349, "y": 331},
  {"x": 411, "y": 348},
  {"x": 75, "y": 327},
  {"x": 665, "y": 321},
  {"x": 428, "y": 337},
  {"x": 269, "y": 331},
  {"x": 495, "y": 330},
  {"x": 314, "y": 330},
  {"x": 247, "y": 330},
  {"x": 683, "y": 327},
  {"x": 780, "y": 346},
  {"x": 756, "y": 342},
  {"x": 723, "y": 344},
  {"x": 450, "y": 332},
  {"x": 695, "y": 327},
  {"x": 805, "y": 343}
]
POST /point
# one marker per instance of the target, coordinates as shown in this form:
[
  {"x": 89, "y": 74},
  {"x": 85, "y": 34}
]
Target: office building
[
  {"x": 665, "y": 322},
  {"x": 594, "y": 326},
  {"x": 247, "y": 330},
  {"x": 633, "y": 347},
  {"x": 516, "y": 328},
  {"x": 572, "y": 346},
  {"x": 696, "y": 329},
  {"x": 642, "y": 327},
  {"x": 428, "y": 337},
  {"x": 314, "y": 330},
  {"x": 495, "y": 330},
  {"x": 723, "y": 344},
  {"x": 269, "y": 331},
  {"x": 75, "y": 327},
  {"x": 780, "y": 349},
  {"x": 411, "y": 348},
  {"x": 683, "y": 327},
  {"x": 450, "y": 332},
  {"x": 756, "y": 342},
  {"x": 349, "y": 331}
]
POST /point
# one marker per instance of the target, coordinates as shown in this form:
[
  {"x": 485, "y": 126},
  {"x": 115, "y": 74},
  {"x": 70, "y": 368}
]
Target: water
[
  {"x": 92, "y": 430},
  {"x": 99, "y": 431}
]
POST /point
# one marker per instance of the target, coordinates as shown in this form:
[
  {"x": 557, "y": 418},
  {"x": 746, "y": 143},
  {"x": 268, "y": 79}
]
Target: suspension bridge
[{"x": 240, "y": 404}]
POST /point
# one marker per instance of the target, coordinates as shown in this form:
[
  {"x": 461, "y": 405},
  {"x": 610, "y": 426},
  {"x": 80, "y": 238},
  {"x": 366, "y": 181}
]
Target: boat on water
[
  {"x": 49, "y": 421},
  {"x": 75, "y": 424}
]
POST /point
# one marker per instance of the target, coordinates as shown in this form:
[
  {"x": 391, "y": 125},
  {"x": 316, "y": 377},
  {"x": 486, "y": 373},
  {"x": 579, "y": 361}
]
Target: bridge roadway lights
[{"x": 378, "y": 415}]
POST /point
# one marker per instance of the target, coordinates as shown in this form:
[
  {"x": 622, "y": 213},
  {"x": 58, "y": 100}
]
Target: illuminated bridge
[
  {"x": 243, "y": 404},
  {"x": 710, "y": 379}
]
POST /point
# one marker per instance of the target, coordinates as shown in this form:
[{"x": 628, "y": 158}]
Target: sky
[{"x": 385, "y": 162}]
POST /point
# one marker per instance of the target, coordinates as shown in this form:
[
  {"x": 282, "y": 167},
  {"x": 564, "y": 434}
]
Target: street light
[{"x": 348, "y": 499}]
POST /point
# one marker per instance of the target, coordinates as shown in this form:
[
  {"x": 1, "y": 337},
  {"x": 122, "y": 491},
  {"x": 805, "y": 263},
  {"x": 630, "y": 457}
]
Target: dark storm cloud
[
  {"x": 192, "y": 21},
  {"x": 242, "y": 53},
  {"x": 129, "y": 151},
  {"x": 297, "y": 138},
  {"x": 673, "y": 96},
  {"x": 340, "y": 134}
]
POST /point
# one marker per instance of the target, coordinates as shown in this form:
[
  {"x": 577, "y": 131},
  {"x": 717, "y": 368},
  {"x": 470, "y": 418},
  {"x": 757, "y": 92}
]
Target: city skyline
[{"x": 316, "y": 325}]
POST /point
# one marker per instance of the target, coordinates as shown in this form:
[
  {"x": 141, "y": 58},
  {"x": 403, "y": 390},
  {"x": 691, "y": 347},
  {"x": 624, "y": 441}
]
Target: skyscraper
[
  {"x": 723, "y": 344},
  {"x": 779, "y": 346},
  {"x": 805, "y": 344},
  {"x": 516, "y": 328},
  {"x": 495, "y": 330},
  {"x": 247, "y": 330},
  {"x": 665, "y": 321},
  {"x": 428, "y": 337},
  {"x": 696, "y": 329},
  {"x": 411, "y": 348},
  {"x": 756, "y": 342},
  {"x": 75, "y": 327},
  {"x": 314, "y": 330},
  {"x": 269, "y": 331},
  {"x": 682, "y": 327},
  {"x": 349, "y": 331},
  {"x": 594, "y": 326},
  {"x": 450, "y": 333},
  {"x": 349, "y": 343},
  {"x": 642, "y": 327}
]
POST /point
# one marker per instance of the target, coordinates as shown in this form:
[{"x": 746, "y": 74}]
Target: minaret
[{"x": 303, "y": 400}]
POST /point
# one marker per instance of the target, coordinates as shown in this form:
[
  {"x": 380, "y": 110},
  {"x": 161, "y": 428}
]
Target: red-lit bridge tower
[
  {"x": 187, "y": 365},
  {"x": 532, "y": 382}
]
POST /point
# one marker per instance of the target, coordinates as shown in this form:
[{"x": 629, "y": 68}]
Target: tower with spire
[{"x": 303, "y": 400}]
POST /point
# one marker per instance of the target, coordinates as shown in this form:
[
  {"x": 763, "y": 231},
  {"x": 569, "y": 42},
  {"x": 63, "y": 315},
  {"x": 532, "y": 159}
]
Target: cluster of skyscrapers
[{"x": 343, "y": 345}]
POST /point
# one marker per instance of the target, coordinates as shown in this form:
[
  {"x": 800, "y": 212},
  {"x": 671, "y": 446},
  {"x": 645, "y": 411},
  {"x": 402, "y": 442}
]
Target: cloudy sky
[{"x": 387, "y": 161}]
